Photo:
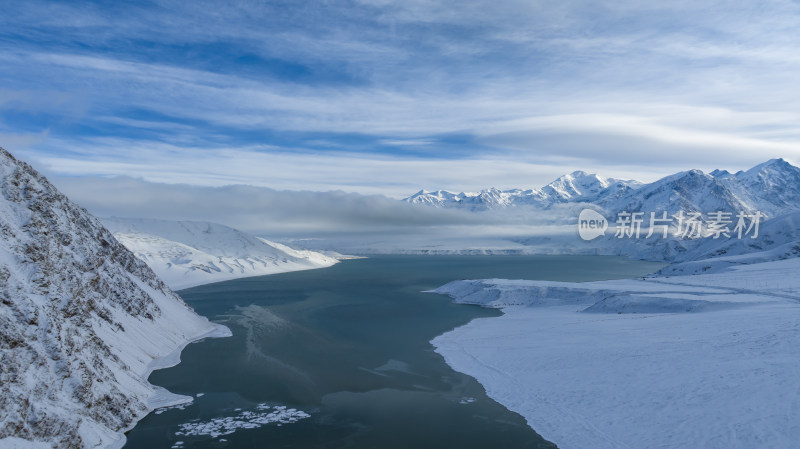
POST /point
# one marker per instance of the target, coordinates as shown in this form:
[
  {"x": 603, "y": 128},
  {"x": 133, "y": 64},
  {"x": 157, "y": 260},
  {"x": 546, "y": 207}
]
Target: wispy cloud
[
  {"x": 386, "y": 96},
  {"x": 261, "y": 210},
  {"x": 394, "y": 176}
]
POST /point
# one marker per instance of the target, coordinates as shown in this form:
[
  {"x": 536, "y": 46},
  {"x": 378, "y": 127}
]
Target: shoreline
[
  {"x": 176, "y": 287},
  {"x": 612, "y": 364},
  {"x": 161, "y": 396}
]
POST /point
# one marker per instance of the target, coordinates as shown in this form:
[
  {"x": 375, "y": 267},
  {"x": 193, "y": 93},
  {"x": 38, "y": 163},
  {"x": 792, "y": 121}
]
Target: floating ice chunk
[
  {"x": 247, "y": 419},
  {"x": 173, "y": 407}
]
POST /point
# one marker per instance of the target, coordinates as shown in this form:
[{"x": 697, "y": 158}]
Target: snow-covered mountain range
[
  {"x": 82, "y": 322},
  {"x": 577, "y": 186},
  {"x": 772, "y": 188},
  {"x": 189, "y": 253}
]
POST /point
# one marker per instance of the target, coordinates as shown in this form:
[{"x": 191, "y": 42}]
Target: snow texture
[
  {"x": 83, "y": 322},
  {"x": 708, "y": 360},
  {"x": 573, "y": 187},
  {"x": 187, "y": 253},
  {"x": 772, "y": 188}
]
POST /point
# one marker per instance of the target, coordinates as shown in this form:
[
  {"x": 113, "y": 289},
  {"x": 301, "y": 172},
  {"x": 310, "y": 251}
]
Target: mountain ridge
[
  {"x": 189, "y": 253},
  {"x": 566, "y": 188},
  {"x": 82, "y": 321},
  {"x": 772, "y": 187}
]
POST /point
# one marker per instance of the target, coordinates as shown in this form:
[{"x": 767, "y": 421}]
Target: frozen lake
[{"x": 340, "y": 357}]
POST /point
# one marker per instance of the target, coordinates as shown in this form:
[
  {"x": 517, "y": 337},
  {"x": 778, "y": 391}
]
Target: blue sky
[{"x": 389, "y": 97}]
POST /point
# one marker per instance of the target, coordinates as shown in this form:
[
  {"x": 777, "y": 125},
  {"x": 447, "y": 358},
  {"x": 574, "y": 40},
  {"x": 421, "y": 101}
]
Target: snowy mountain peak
[
  {"x": 772, "y": 187},
  {"x": 572, "y": 187},
  {"x": 576, "y": 185},
  {"x": 437, "y": 198},
  {"x": 720, "y": 173},
  {"x": 773, "y": 167},
  {"x": 777, "y": 162}
]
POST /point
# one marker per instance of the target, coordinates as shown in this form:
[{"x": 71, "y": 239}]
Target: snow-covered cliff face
[
  {"x": 189, "y": 253},
  {"x": 81, "y": 320}
]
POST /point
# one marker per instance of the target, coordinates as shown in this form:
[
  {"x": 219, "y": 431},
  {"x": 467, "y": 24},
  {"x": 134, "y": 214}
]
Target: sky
[{"x": 389, "y": 97}]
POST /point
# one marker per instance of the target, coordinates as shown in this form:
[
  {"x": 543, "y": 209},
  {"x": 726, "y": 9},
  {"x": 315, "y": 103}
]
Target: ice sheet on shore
[{"x": 670, "y": 362}]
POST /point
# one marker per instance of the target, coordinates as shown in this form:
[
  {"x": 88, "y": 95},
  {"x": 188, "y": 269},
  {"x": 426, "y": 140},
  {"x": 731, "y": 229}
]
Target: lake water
[{"x": 340, "y": 358}]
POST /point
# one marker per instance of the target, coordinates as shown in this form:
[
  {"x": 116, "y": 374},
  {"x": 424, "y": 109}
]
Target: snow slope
[
  {"x": 187, "y": 253},
  {"x": 707, "y": 361},
  {"x": 83, "y": 322},
  {"x": 779, "y": 239}
]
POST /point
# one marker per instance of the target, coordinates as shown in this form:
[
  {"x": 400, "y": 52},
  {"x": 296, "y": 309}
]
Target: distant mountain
[
  {"x": 779, "y": 238},
  {"x": 577, "y": 186},
  {"x": 189, "y": 253},
  {"x": 587, "y": 187},
  {"x": 82, "y": 322},
  {"x": 772, "y": 188},
  {"x": 690, "y": 191}
]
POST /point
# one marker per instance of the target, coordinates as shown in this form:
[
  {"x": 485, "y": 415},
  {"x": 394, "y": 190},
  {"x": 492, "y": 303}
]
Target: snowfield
[
  {"x": 189, "y": 253},
  {"x": 709, "y": 361}
]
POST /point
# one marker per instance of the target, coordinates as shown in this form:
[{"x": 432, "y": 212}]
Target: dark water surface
[{"x": 349, "y": 346}]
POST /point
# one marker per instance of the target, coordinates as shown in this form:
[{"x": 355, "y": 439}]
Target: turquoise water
[{"x": 349, "y": 347}]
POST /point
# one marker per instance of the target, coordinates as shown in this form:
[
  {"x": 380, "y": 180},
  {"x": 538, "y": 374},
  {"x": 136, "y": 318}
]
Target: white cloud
[
  {"x": 267, "y": 167},
  {"x": 534, "y": 89},
  {"x": 258, "y": 209}
]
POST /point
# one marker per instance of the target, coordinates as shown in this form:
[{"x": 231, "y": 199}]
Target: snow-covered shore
[
  {"x": 161, "y": 397},
  {"x": 708, "y": 360},
  {"x": 190, "y": 253}
]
